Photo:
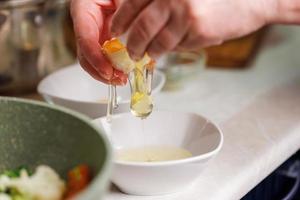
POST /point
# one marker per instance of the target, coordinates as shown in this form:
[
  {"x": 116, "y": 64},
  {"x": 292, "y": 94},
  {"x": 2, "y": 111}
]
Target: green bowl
[{"x": 34, "y": 133}]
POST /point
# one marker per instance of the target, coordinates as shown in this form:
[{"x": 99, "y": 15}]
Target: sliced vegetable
[
  {"x": 78, "y": 179},
  {"x": 44, "y": 184}
]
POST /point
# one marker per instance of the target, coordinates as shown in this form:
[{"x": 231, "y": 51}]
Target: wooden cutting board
[{"x": 236, "y": 53}]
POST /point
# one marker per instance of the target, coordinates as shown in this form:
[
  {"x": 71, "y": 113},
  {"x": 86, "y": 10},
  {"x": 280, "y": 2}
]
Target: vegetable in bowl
[
  {"x": 43, "y": 184},
  {"x": 34, "y": 133}
]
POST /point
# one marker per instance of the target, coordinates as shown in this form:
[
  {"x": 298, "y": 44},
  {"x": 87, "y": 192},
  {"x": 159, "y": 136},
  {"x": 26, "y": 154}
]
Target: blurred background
[{"x": 36, "y": 38}]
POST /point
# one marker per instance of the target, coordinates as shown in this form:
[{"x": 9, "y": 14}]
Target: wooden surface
[
  {"x": 33, "y": 96},
  {"x": 236, "y": 53}
]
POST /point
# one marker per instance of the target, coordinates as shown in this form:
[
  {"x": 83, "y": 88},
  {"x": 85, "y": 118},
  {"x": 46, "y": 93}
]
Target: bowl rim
[
  {"x": 45, "y": 94},
  {"x": 172, "y": 162},
  {"x": 101, "y": 177}
]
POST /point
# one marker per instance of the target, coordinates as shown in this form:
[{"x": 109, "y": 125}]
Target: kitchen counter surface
[{"x": 258, "y": 110}]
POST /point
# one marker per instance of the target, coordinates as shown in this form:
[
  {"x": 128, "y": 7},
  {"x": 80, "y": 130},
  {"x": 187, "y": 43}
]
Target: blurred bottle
[
  {"x": 31, "y": 43},
  {"x": 181, "y": 67}
]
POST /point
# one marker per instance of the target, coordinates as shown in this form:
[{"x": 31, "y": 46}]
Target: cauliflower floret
[
  {"x": 4, "y": 181},
  {"x": 4, "y": 197},
  {"x": 44, "y": 184}
]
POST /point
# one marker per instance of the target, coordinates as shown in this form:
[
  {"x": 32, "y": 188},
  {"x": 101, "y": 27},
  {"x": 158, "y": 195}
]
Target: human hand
[
  {"x": 91, "y": 20},
  {"x": 157, "y": 26}
]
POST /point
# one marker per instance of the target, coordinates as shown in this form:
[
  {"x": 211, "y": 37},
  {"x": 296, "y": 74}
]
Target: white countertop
[{"x": 258, "y": 110}]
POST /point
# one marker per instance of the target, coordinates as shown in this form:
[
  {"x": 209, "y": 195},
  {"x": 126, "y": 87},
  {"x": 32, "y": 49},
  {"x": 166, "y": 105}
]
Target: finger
[
  {"x": 170, "y": 36},
  {"x": 119, "y": 78},
  {"x": 122, "y": 77},
  {"x": 190, "y": 42},
  {"x": 149, "y": 22},
  {"x": 117, "y": 81},
  {"x": 105, "y": 31},
  {"x": 107, "y": 4},
  {"x": 90, "y": 70},
  {"x": 88, "y": 22},
  {"x": 126, "y": 14},
  {"x": 117, "y": 3},
  {"x": 195, "y": 39}
]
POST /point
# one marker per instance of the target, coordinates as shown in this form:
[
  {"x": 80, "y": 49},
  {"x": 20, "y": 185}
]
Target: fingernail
[
  {"x": 153, "y": 52},
  {"x": 114, "y": 34},
  {"x": 153, "y": 55},
  {"x": 105, "y": 75},
  {"x": 123, "y": 80},
  {"x": 134, "y": 56},
  {"x": 118, "y": 73},
  {"x": 117, "y": 82}
]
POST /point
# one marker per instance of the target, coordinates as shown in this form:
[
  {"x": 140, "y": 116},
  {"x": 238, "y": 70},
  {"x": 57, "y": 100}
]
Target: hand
[
  {"x": 91, "y": 19},
  {"x": 159, "y": 26}
]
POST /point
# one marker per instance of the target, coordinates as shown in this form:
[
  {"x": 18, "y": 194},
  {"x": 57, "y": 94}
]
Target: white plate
[
  {"x": 72, "y": 87},
  {"x": 186, "y": 130}
]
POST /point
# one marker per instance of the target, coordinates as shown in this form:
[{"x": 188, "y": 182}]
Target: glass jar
[{"x": 29, "y": 45}]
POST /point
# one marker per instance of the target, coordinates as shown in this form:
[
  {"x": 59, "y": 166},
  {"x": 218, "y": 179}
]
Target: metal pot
[{"x": 32, "y": 42}]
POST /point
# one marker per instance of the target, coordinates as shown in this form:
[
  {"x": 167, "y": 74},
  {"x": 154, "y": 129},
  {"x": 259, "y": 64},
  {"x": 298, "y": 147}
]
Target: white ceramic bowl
[
  {"x": 186, "y": 130},
  {"x": 73, "y": 88}
]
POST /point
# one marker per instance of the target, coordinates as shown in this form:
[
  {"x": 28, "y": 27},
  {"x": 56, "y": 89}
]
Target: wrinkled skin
[{"x": 160, "y": 26}]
